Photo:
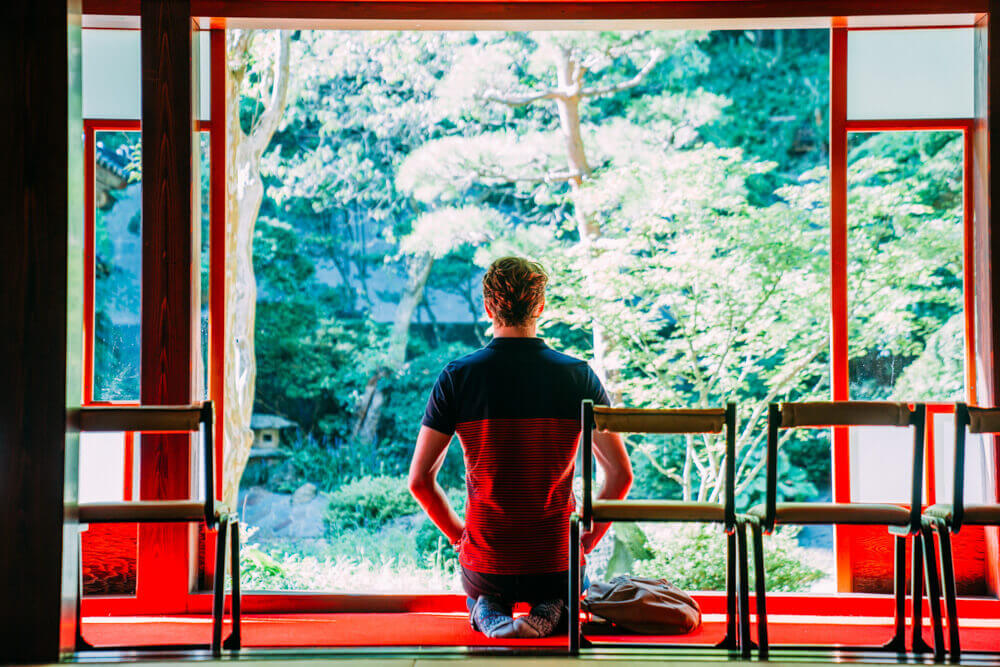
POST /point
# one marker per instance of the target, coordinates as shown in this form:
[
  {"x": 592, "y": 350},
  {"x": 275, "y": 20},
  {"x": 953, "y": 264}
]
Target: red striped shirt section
[{"x": 519, "y": 475}]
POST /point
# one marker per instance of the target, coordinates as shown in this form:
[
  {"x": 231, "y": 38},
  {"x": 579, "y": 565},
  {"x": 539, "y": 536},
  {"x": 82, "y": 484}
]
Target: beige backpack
[{"x": 642, "y": 605}]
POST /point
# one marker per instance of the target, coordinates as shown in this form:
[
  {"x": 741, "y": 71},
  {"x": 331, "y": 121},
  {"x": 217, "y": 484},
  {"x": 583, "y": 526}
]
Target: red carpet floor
[{"x": 452, "y": 629}]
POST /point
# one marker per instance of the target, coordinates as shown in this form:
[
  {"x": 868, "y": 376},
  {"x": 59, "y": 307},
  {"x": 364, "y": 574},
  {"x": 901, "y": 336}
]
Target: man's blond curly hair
[{"x": 512, "y": 289}]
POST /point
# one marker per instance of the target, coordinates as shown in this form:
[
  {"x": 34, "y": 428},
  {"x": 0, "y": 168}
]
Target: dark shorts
[{"x": 513, "y": 588}]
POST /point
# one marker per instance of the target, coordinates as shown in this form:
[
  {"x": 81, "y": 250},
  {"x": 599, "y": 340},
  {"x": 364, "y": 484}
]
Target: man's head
[{"x": 514, "y": 292}]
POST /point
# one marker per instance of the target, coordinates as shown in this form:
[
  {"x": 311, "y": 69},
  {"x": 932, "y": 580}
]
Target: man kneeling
[{"x": 515, "y": 405}]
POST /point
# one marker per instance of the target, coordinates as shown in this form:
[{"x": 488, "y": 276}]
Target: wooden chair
[
  {"x": 679, "y": 421},
  {"x": 948, "y": 518},
  {"x": 171, "y": 419},
  {"x": 902, "y": 521}
]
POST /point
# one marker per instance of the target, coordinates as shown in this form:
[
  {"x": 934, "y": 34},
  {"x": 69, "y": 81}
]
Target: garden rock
[
  {"x": 281, "y": 516},
  {"x": 304, "y": 493}
]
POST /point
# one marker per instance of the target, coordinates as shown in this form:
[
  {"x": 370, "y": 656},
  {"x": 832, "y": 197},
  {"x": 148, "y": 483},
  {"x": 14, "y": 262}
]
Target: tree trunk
[
  {"x": 245, "y": 193},
  {"x": 370, "y": 408},
  {"x": 570, "y": 79}
]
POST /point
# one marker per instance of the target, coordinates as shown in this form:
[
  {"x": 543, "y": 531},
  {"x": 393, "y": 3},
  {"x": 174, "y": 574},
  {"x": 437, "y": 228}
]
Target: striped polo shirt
[{"x": 515, "y": 405}]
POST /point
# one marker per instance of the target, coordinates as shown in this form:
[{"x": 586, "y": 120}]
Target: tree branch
[
  {"x": 624, "y": 85},
  {"x": 779, "y": 385},
  {"x": 526, "y": 99},
  {"x": 264, "y": 129},
  {"x": 741, "y": 486},
  {"x": 666, "y": 472},
  {"x": 551, "y": 177},
  {"x": 238, "y": 55}
]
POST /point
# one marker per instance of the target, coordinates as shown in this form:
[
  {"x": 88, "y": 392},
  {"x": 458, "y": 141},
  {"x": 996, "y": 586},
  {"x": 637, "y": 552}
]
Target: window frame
[
  {"x": 184, "y": 564},
  {"x": 846, "y": 543},
  {"x": 261, "y": 602}
]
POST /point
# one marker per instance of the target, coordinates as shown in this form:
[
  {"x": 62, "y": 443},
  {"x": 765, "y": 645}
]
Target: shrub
[
  {"x": 693, "y": 557},
  {"x": 369, "y": 503}
]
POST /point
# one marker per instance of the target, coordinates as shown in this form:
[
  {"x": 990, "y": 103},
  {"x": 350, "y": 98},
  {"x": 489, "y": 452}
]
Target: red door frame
[{"x": 274, "y": 602}]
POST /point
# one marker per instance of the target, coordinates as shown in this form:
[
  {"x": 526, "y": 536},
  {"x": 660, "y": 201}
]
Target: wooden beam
[
  {"x": 167, "y": 352},
  {"x": 141, "y": 418},
  {"x": 35, "y": 451},
  {"x": 986, "y": 232},
  {"x": 530, "y": 10}
]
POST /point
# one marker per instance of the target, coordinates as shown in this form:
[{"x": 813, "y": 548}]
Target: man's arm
[
  {"x": 428, "y": 457},
  {"x": 609, "y": 450}
]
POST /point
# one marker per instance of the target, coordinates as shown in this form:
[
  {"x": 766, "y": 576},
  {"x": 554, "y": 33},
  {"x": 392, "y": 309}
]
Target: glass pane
[
  {"x": 393, "y": 182},
  {"x": 205, "y": 196},
  {"x": 692, "y": 555},
  {"x": 906, "y": 320},
  {"x": 978, "y": 462},
  {"x": 118, "y": 265},
  {"x": 112, "y": 74},
  {"x": 881, "y": 463},
  {"x": 108, "y": 550},
  {"x": 924, "y": 73},
  {"x": 102, "y": 467}
]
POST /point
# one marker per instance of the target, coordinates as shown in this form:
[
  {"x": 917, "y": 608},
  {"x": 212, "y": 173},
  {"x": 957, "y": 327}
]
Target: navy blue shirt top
[{"x": 511, "y": 378}]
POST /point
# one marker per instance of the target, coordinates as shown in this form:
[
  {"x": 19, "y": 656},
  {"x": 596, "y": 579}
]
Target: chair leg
[
  {"x": 234, "y": 642},
  {"x": 743, "y": 584},
  {"x": 574, "y": 585},
  {"x": 218, "y": 586},
  {"x": 933, "y": 579},
  {"x": 730, "y": 640},
  {"x": 758, "y": 567},
  {"x": 898, "y": 641},
  {"x": 950, "y": 594},
  {"x": 917, "y": 595}
]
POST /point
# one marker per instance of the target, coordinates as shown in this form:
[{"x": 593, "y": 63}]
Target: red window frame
[
  {"x": 90, "y": 128},
  {"x": 846, "y": 542},
  {"x": 186, "y": 565},
  {"x": 188, "y": 601}
]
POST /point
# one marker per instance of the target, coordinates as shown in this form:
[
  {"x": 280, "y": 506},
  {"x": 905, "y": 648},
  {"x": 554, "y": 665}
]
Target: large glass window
[{"x": 406, "y": 161}]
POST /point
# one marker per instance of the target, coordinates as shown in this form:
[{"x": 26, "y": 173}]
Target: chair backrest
[
  {"x": 676, "y": 421},
  {"x": 976, "y": 420},
  {"x": 822, "y": 414},
  {"x": 150, "y": 419}
]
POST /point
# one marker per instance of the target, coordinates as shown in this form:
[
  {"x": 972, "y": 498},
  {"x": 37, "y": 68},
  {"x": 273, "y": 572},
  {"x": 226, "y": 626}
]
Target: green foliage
[
  {"x": 322, "y": 460},
  {"x": 370, "y": 503},
  {"x": 696, "y": 237},
  {"x": 373, "y": 562},
  {"x": 693, "y": 557},
  {"x": 630, "y": 545}
]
